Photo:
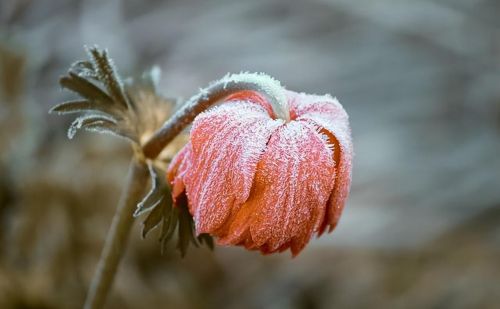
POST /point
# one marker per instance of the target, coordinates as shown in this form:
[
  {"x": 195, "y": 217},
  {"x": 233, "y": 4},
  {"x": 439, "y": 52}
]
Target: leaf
[
  {"x": 82, "y": 64},
  {"x": 106, "y": 72},
  {"x": 135, "y": 106},
  {"x": 78, "y": 106},
  {"x": 131, "y": 111},
  {"x": 171, "y": 218},
  {"x": 84, "y": 69},
  {"x": 153, "y": 219},
  {"x": 169, "y": 223},
  {"x": 110, "y": 128},
  {"x": 185, "y": 232},
  {"x": 159, "y": 201},
  {"x": 84, "y": 88},
  {"x": 88, "y": 121},
  {"x": 207, "y": 240},
  {"x": 158, "y": 191}
]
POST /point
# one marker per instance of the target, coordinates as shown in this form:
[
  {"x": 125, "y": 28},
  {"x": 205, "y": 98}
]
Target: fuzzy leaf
[
  {"x": 89, "y": 121},
  {"x": 136, "y": 108},
  {"x": 84, "y": 88},
  {"x": 110, "y": 128},
  {"x": 158, "y": 191},
  {"x": 82, "y": 64},
  {"x": 106, "y": 72},
  {"x": 153, "y": 219},
  {"x": 84, "y": 69},
  {"x": 159, "y": 201},
  {"x": 171, "y": 218},
  {"x": 77, "y": 106}
]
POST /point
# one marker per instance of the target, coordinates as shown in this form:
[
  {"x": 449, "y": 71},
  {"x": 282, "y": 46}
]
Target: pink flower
[{"x": 255, "y": 180}]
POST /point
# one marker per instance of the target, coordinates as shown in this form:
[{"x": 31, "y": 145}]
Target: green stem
[{"x": 116, "y": 240}]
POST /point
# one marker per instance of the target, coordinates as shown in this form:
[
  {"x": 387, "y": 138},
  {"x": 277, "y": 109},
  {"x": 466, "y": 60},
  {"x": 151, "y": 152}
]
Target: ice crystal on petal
[
  {"x": 261, "y": 183},
  {"x": 225, "y": 139}
]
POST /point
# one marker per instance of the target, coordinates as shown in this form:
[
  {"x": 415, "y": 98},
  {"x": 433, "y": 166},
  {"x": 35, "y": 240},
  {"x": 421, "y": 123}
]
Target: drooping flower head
[{"x": 256, "y": 178}]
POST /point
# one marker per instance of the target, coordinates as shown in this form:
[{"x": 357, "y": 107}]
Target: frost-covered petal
[
  {"x": 227, "y": 143},
  {"x": 329, "y": 115},
  {"x": 177, "y": 170},
  {"x": 252, "y": 97},
  {"x": 291, "y": 188}
]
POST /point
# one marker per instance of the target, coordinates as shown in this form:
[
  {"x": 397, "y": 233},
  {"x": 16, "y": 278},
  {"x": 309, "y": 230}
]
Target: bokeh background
[{"x": 420, "y": 80}]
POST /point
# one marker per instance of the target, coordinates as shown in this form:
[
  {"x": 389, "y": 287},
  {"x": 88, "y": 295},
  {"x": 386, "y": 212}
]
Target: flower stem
[
  {"x": 211, "y": 95},
  {"x": 132, "y": 194},
  {"x": 117, "y": 237}
]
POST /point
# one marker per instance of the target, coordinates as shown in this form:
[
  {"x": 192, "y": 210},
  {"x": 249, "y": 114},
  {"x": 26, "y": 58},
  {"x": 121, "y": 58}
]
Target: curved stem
[
  {"x": 212, "y": 94},
  {"x": 117, "y": 237}
]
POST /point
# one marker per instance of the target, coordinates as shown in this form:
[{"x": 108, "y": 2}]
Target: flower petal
[
  {"x": 290, "y": 192},
  {"x": 227, "y": 143},
  {"x": 327, "y": 113},
  {"x": 177, "y": 170}
]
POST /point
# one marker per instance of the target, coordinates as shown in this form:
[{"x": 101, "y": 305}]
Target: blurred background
[{"x": 420, "y": 80}]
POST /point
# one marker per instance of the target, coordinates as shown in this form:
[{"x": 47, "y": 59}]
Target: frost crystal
[
  {"x": 260, "y": 82},
  {"x": 265, "y": 183},
  {"x": 270, "y": 87}
]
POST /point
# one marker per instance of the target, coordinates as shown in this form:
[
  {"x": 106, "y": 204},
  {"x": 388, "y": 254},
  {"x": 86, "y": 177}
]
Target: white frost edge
[
  {"x": 270, "y": 86},
  {"x": 267, "y": 84}
]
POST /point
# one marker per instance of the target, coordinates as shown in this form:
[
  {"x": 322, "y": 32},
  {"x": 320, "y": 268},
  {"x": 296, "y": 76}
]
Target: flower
[{"x": 259, "y": 181}]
